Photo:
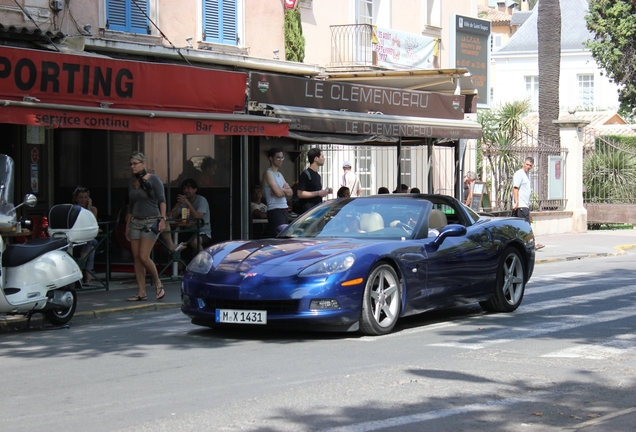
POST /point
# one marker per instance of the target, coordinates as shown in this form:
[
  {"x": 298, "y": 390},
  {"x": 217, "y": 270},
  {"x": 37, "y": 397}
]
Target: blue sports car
[{"x": 359, "y": 264}]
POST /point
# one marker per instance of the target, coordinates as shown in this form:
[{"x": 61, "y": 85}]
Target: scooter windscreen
[{"x": 7, "y": 209}]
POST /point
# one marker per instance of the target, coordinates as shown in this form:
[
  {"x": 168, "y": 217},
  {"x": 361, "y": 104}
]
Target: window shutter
[
  {"x": 124, "y": 15},
  {"x": 229, "y": 22},
  {"x": 211, "y": 23},
  {"x": 138, "y": 20},
  {"x": 116, "y": 14},
  {"x": 220, "y": 24}
]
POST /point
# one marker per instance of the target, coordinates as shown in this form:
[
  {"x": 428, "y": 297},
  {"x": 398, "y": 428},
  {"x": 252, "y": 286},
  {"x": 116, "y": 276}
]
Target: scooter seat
[{"x": 18, "y": 254}]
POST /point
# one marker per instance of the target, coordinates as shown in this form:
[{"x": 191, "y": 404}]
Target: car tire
[
  {"x": 510, "y": 284},
  {"x": 381, "y": 301}
]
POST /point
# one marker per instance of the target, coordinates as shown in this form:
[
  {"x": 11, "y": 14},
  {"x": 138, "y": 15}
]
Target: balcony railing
[{"x": 352, "y": 45}]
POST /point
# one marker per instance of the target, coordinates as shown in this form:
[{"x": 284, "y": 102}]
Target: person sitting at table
[
  {"x": 198, "y": 208},
  {"x": 258, "y": 210},
  {"x": 82, "y": 197}
]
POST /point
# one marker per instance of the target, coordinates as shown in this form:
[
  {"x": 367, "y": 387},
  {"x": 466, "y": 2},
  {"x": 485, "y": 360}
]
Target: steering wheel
[{"x": 405, "y": 227}]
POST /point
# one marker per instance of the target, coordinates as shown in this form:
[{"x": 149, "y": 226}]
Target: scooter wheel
[{"x": 62, "y": 315}]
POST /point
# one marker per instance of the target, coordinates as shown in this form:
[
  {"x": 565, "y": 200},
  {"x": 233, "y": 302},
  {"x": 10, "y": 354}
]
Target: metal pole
[
  {"x": 244, "y": 189},
  {"x": 399, "y": 165}
]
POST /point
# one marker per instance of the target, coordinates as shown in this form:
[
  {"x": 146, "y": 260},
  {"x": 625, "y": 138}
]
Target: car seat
[
  {"x": 437, "y": 219},
  {"x": 370, "y": 222}
]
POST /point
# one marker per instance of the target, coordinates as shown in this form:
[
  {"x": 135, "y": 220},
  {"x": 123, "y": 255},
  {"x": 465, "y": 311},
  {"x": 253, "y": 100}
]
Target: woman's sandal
[
  {"x": 160, "y": 293},
  {"x": 137, "y": 298}
]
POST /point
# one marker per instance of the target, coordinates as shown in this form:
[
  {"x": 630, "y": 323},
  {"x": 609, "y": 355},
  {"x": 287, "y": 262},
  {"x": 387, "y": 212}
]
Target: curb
[
  {"x": 133, "y": 308},
  {"x": 621, "y": 251}
]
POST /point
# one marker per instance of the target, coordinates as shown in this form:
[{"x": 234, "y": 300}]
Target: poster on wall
[
  {"x": 34, "y": 178},
  {"x": 401, "y": 50},
  {"x": 555, "y": 177}
]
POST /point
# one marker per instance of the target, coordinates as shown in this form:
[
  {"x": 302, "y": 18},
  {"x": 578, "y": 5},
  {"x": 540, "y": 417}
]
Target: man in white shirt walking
[
  {"x": 350, "y": 180},
  {"x": 521, "y": 192}
]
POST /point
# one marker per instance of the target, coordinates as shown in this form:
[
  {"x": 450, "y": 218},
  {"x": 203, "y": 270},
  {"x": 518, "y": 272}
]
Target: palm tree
[
  {"x": 501, "y": 133},
  {"x": 549, "y": 38}
]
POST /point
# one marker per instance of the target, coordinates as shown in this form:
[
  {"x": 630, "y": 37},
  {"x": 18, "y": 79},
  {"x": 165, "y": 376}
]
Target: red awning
[
  {"x": 79, "y": 117},
  {"x": 57, "y": 90}
]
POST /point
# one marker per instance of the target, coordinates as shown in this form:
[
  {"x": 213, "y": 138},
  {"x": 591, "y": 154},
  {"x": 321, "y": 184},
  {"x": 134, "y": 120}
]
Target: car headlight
[
  {"x": 202, "y": 263},
  {"x": 336, "y": 264}
]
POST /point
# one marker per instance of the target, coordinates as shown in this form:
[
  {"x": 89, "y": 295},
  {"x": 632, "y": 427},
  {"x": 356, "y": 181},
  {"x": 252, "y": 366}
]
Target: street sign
[{"x": 290, "y": 4}]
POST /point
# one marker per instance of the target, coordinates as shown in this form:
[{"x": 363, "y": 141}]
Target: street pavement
[{"x": 98, "y": 303}]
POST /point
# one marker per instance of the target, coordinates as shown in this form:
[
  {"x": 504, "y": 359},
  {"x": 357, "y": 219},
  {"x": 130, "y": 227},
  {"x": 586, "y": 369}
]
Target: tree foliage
[
  {"x": 613, "y": 23},
  {"x": 609, "y": 173},
  {"x": 294, "y": 39}
]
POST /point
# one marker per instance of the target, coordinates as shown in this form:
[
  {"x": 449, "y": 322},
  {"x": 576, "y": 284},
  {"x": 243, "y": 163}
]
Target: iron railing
[
  {"x": 352, "y": 45},
  {"x": 500, "y": 164},
  {"x": 609, "y": 171}
]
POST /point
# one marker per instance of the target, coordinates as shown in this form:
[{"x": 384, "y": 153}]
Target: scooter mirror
[{"x": 30, "y": 200}]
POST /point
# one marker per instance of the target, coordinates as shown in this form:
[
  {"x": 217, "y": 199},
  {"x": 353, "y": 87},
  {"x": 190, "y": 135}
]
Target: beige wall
[
  {"x": 316, "y": 22},
  {"x": 264, "y": 28},
  {"x": 180, "y": 20},
  {"x": 405, "y": 15}
]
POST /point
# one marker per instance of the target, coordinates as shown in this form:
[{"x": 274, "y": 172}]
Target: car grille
[{"x": 272, "y": 307}]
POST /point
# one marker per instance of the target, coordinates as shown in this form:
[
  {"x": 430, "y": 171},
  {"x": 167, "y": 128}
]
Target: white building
[{"x": 582, "y": 84}]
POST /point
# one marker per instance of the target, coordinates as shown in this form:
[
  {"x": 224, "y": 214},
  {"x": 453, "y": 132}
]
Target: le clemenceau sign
[{"x": 341, "y": 96}]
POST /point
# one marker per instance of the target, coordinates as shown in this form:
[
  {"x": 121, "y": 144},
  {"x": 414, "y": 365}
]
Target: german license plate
[{"x": 236, "y": 316}]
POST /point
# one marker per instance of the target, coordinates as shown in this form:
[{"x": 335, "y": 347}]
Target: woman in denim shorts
[{"x": 147, "y": 204}]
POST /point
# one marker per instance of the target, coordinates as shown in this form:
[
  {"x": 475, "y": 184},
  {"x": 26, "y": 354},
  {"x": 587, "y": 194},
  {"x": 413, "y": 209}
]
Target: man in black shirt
[{"x": 310, "y": 191}]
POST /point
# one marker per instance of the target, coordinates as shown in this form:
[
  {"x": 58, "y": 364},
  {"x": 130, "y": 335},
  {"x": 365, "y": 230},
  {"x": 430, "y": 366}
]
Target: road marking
[
  {"x": 613, "y": 347},
  {"x": 564, "y": 275},
  {"x": 524, "y": 309},
  {"x": 516, "y": 333},
  {"x": 434, "y": 415}
]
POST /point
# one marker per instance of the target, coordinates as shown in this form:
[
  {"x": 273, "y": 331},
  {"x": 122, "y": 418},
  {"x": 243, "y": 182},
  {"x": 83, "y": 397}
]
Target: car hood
[{"x": 285, "y": 255}]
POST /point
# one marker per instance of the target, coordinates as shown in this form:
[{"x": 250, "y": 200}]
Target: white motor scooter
[{"x": 41, "y": 275}]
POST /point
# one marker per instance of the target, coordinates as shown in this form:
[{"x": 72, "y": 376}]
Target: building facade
[{"x": 206, "y": 42}]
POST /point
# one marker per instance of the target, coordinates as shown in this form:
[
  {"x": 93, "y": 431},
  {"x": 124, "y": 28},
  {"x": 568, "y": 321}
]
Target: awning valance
[
  {"x": 344, "y": 122},
  {"x": 58, "y": 90},
  {"x": 82, "y": 117}
]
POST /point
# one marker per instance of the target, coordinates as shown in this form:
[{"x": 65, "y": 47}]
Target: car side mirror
[{"x": 452, "y": 230}]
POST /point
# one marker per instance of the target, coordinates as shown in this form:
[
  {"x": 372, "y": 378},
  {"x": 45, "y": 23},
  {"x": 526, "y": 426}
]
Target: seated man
[
  {"x": 410, "y": 220},
  {"x": 198, "y": 208},
  {"x": 258, "y": 210}
]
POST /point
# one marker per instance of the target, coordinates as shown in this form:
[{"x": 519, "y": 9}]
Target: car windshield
[{"x": 361, "y": 218}]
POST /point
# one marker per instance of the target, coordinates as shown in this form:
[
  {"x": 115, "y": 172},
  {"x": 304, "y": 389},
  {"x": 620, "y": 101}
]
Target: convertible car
[{"x": 359, "y": 264}]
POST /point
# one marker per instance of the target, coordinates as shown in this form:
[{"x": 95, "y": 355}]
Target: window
[
  {"x": 220, "y": 21},
  {"x": 586, "y": 92},
  {"x": 432, "y": 13},
  {"x": 532, "y": 90},
  {"x": 405, "y": 167},
  {"x": 364, "y": 163},
  {"x": 128, "y": 15},
  {"x": 364, "y": 12},
  {"x": 496, "y": 41}
]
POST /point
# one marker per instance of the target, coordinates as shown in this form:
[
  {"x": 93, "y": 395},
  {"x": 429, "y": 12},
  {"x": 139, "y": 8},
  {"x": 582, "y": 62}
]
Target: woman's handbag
[{"x": 155, "y": 226}]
